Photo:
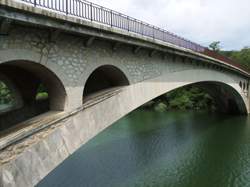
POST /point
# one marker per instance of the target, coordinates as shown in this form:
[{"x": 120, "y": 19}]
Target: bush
[{"x": 5, "y": 94}]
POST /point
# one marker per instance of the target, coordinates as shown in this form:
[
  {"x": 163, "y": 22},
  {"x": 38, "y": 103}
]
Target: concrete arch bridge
[{"x": 67, "y": 78}]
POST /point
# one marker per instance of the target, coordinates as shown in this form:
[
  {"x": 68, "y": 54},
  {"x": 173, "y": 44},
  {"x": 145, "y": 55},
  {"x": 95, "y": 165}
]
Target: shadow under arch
[
  {"x": 228, "y": 100},
  {"x": 104, "y": 78},
  {"x": 26, "y": 77}
]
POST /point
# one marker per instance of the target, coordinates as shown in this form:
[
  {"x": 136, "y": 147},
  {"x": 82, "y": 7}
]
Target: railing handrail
[{"x": 122, "y": 22}]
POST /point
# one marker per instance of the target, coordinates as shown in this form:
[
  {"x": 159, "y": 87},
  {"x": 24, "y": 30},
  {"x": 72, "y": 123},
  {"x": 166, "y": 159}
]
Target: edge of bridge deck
[{"x": 68, "y": 23}]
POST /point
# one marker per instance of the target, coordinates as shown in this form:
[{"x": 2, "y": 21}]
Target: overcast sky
[{"x": 202, "y": 21}]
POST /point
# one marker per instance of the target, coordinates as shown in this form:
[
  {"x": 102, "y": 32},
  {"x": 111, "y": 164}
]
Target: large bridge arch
[
  {"x": 24, "y": 79},
  {"x": 135, "y": 95},
  {"x": 105, "y": 113},
  {"x": 223, "y": 87}
]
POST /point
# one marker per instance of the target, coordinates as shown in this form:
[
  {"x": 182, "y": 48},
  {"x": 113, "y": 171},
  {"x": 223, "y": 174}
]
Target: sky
[{"x": 201, "y": 21}]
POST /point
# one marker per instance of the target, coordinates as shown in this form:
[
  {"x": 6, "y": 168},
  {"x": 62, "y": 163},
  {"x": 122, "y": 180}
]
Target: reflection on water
[{"x": 153, "y": 149}]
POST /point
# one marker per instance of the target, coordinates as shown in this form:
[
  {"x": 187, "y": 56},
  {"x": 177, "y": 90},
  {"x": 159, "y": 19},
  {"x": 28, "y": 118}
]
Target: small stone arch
[
  {"x": 25, "y": 78},
  {"x": 104, "y": 78}
]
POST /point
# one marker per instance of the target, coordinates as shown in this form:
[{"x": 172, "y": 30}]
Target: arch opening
[
  {"x": 211, "y": 96},
  {"x": 35, "y": 90},
  {"x": 227, "y": 98},
  {"x": 104, "y": 78}
]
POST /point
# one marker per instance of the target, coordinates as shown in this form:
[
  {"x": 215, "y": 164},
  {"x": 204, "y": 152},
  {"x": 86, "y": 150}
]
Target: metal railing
[{"x": 96, "y": 13}]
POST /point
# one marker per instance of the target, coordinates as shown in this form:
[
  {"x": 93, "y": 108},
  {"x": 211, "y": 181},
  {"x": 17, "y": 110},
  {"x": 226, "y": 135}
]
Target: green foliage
[
  {"x": 190, "y": 98},
  {"x": 5, "y": 94},
  {"x": 161, "y": 107},
  {"x": 215, "y": 46},
  {"x": 6, "y": 98},
  {"x": 187, "y": 98},
  {"x": 42, "y": 96},
  {"x": 242, "y": 57},
  {"x": 42, "y": 93},
  {"x": 41, "y": 88}
]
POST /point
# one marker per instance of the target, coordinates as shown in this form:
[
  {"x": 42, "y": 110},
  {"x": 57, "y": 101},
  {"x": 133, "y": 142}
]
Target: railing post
[
  {"x": 128, "y": 22},
  {"x": 101, "y": 15},
  {"x": 67, "y": 7},
  {"x": 153, "y": 32},
  {"x": 142, "y": 28},
  {"x": 35, "y": 3},
  {"x": 111, "y": 18},
  {"x": 91, "y": 13}
]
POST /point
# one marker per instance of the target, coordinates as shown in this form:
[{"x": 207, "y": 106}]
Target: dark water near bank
[{"x": 152, "y": 149}]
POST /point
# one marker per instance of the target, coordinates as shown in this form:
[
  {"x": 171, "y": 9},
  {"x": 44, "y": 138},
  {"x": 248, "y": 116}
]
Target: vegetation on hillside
[
  {"x": 186, "y": 98},
  {"x": 241, "y": 56}
]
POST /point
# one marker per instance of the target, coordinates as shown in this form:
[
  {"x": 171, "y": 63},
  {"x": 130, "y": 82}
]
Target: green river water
[{"x": 169, "y": 149}]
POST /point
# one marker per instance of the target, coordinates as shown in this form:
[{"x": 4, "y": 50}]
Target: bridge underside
[{"x": 227, "y": 99}]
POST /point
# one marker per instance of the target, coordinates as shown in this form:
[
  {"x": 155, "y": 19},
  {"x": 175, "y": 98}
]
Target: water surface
[{"x": 152, "y": 149}]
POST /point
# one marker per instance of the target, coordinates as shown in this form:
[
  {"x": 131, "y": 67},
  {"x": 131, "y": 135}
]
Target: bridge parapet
[{"x": 96, "y": 13}]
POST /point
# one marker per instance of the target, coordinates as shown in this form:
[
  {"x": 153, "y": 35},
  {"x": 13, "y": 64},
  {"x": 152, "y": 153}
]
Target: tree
[
  {"x": 5, "y": 94},
  {"x": 242, "y": 56},
  {"x": 215, "y": 46}
]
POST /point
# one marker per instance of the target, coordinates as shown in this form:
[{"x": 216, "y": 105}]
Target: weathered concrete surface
[{"x": 26, "y": 163}]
